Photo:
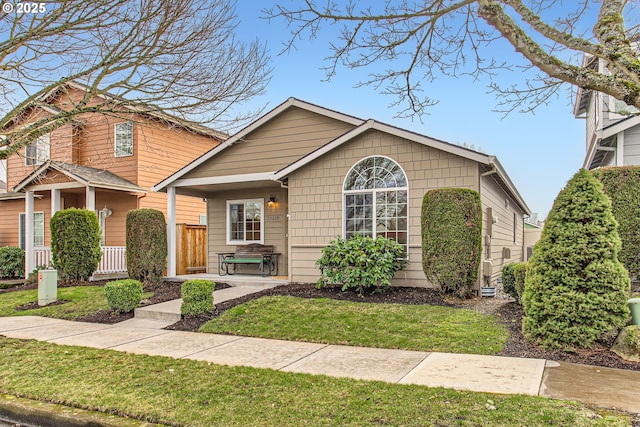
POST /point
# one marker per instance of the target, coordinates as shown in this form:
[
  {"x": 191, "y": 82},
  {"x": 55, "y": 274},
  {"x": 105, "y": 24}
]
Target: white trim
[
  {"x": 239, "y": 137},
  {"x": 225, "y": 179},
  {"x": 58, "y": 186},
  {"x": 228, "y": 221},
  {"x": 620, "y": 149},
  {"x": 171, "y": 232},
  {"x": 620, "y": 126},
  {"x": 39, "y": 143}
]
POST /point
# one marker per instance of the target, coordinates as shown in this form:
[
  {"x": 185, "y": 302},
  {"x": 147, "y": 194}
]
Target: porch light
[
  {"x": 106, "y": 212},
  {"x": 272, "y": 201}
]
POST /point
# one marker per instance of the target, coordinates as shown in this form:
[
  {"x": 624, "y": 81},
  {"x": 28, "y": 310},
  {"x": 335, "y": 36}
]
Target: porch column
[
  {"x": 29, "y": 249},
  {"x": 620, "y": 149},
  {"x": 171, "y": 231},
  {"x": 90, "y": 203},
  {"x": 55, "y": 201}
]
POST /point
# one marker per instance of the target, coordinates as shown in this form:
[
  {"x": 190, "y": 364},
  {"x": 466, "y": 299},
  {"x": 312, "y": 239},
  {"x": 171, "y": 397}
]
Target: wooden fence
[{"x": 191, "y": 248}]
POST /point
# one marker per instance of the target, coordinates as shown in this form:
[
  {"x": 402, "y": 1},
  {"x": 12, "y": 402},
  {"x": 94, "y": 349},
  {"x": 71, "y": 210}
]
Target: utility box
[
  {"x": 47, "y": 286},
  {"x": 634, "y": 308}
]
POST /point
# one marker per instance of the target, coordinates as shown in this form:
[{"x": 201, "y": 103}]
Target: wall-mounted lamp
[
  {"x": 106, "y": 212},
  {"x": 272, "y": 201}
]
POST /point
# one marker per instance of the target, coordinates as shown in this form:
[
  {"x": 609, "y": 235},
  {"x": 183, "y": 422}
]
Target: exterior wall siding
[
  {"x": 283, "y": 140},
  {"x": 316, "y": 206},
  {"x": 275, "y": 225},
  {"x": 503, "y": 209},
  {"x": 632, "y": 146}
]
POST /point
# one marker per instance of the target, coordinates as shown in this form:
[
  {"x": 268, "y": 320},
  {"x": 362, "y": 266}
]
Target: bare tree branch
[
  {"x": 424, "y": 40},
  {"x": 176, "y": 57}
]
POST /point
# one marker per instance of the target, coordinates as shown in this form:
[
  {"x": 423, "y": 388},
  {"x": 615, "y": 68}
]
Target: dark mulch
[{"x": 508, "y": 311}]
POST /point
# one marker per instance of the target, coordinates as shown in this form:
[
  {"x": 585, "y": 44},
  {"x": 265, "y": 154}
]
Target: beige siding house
[{"x": 302, "y": 174}]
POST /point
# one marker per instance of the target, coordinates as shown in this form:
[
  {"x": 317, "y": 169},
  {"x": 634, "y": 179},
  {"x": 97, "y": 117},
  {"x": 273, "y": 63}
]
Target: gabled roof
[
  {"x": 239, "y": 137},
  {"x": 491, "y": 165},
  {"x": 85, "y": 175}
]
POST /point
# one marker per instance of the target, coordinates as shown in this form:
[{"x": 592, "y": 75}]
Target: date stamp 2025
[{"x": 22, "y": 7}]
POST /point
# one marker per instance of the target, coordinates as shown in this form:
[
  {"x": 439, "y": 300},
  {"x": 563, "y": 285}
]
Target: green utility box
[
  {"x": 47, "y": 286},
  {"x": 634, "y": 307}
]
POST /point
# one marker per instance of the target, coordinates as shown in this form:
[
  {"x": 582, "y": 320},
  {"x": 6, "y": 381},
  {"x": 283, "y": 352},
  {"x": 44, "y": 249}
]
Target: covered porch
[
  {"x": 55, "y": 186},
  {"x": 241, "y": 210}
]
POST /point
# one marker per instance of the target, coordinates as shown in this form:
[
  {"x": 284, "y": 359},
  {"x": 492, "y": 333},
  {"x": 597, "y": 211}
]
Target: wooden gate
[{"x": 191, "y": 249}]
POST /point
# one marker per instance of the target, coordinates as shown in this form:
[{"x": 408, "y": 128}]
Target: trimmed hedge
[
  {"x": 520, "y": 273},
  {"x": 360, "y": 263},
  {"x": 576, "y": 289},
  {"x": 146, "y": 244},
  {"x": 622, "y": 185},
  {"x": 11, "y": 261},
  {"x": 197, "y": 297},
  {"x": 75, "y": 243},
  {"x": 509, "y": 279},
  {"x": 123, "y": 296},
  {"x": 452, "y": 238}
]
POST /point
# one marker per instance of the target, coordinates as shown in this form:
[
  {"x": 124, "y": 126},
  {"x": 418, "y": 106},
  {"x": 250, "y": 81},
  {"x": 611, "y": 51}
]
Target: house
[
  {"x": 302, "y": 174},
  {"x": 612, "y": 128},
  {"x": 102, "y": 162}
]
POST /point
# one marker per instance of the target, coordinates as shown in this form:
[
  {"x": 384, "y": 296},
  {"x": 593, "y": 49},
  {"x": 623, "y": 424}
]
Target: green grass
[
  {"x": 185, "y": 392},
  {"x": 81, "y": 300},
  {"x": 409, "y": 327}
]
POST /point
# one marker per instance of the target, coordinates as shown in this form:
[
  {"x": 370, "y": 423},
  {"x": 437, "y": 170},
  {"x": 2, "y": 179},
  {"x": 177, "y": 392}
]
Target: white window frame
[
  {"x": 244, "y": 241},
  {"x": 102, "y": 221},
  {"x": 38, "y": 235},
  {"x": 42, "y": 147},
  {"x": 123, "y": 148},
  {"x": 373, "y": 191}
]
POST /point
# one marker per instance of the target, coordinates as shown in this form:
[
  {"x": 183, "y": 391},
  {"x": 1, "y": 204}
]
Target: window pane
[
  {"x": 124, "y": 139},
  {"x": 38, "y": 229}
]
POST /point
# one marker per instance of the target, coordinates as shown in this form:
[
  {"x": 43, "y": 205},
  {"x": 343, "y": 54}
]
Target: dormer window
[
  {"x": 38, "y": 151},
  {"x": 124, "y": 139}
]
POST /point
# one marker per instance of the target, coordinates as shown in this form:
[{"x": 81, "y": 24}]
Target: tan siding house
[
  {"x": 98, "y": 162},
  {"x": 332, "y": 175}
]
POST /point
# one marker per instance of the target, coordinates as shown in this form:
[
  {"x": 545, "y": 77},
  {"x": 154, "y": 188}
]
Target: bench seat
[{"x": 251, "y": 254}]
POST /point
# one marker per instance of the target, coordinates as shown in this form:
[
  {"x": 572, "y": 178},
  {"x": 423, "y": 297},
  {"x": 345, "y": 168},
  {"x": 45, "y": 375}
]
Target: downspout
[{"x": 483, "y": 278}]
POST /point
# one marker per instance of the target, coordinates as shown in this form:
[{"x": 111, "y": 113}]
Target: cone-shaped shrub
[
  {"x": 146, "y": 244},
  {"x": 75, "y": 243},
  {"x": 576, "y": 289}
]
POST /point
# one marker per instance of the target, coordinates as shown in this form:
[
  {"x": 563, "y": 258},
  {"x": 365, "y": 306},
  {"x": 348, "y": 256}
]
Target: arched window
[{"x": 375, "y": 200}]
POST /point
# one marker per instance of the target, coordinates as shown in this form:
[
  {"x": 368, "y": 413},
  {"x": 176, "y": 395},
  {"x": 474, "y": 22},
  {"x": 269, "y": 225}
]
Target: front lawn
[
  {"x": 193, "y": 393},
  {"x": 323, "y": 320},
  {"x": 80, "y": 301}
]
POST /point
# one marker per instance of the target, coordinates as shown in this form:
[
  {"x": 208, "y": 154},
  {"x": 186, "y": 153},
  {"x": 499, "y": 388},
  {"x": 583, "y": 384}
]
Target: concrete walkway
[{"x": 603, "y": 387}]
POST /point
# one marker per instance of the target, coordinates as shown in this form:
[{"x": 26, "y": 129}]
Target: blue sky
[{"x": 540, "y": 152}]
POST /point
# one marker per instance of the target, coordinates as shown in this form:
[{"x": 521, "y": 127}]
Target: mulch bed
[{"x": 508, "y": 311}]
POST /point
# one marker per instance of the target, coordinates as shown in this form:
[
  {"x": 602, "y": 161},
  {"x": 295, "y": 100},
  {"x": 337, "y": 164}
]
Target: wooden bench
[{"x": 251, "y": 254}]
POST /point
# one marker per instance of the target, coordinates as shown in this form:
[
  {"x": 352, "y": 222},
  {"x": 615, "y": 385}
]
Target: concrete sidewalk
[{"x": 604, "y": 387}]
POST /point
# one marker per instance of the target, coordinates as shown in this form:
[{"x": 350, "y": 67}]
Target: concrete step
[{"x": 166, "y": 311}]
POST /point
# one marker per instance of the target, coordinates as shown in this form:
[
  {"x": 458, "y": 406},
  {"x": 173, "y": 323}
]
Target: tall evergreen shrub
[
  {"x": 146, "y": 244},
  {"x": 576, "y": 290},
  {"x": 622, "y": 185},
  {"x": 75, "y": 243},
  {"x": 452, "y": 238}
]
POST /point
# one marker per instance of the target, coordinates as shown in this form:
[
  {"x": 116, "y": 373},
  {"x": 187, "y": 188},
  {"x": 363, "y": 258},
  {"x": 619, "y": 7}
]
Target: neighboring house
[
  {"x": 100, "y": 162},
  {"x": 302, "y": 174},
  {"x": 612, "y": 128}
]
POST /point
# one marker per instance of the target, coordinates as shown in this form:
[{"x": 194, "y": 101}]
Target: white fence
[{"x": 113, "y": 259}]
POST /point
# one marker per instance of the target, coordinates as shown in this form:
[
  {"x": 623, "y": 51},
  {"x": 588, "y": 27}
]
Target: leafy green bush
[
  {"x": 520, "y": 273},
  {"x": 146, "y": 244},
  {"x": 11, "y": 261},
  {"x": 197, "y": 297},
  {"x": 509, "y": 279},
  {"x": 75, "y": 243},
  {"x": 452, "y": 238},
  {"x": 361, "y": 263},
  {"x": 576, "y": 290},
  {"x": 123, "y": 296},
  {"x": 622, "y": 185}
]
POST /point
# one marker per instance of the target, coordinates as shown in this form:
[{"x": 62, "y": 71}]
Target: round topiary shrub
[
  {"x": 146, "y": 244},
  {"x": 361, "y": 263},
  {"x": 75, "y": 243},
  {"x": 11, "y": 262},
  {"x": 576, "y": 289},
  {"x": 123, "y": 296},
  {"x": 452, "y": 238},
  {"x": 197, "y": 297}
]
